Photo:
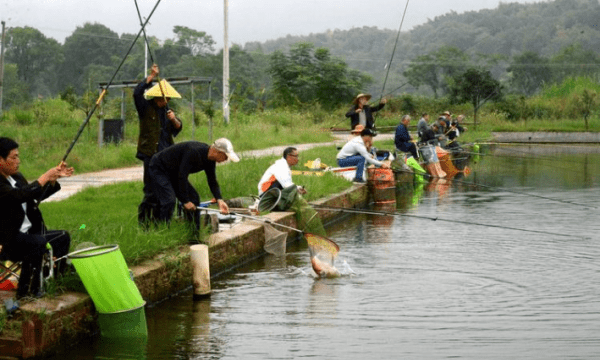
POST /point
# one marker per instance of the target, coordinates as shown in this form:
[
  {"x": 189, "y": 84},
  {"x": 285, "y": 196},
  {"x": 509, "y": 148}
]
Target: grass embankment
[
  {"x": 47, "y": 128},
  {"x": 108, "y": 215}
]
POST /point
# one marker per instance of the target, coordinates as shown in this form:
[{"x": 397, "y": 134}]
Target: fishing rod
[
  {"x": 149, "y": 50},
  {"x": 393, "y": 51},
  {"x": 388, "y": 65},
  {"x": 500, "y": 188},
  {"x": 255, "y": 218},
  {"x": 107, "y": 86},
  {"x": 396, "y": 213}
]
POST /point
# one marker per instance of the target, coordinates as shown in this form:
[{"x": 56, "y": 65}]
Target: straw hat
[
  {"x": 446, "y": 113},
  {"x": 355, "y": 101},
  {"x": 155, "y": 91},
  {"x": 357, "y": 129}
]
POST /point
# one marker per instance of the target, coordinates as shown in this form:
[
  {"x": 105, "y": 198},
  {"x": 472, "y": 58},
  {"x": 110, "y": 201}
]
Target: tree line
[{"x": 473, "y": 57}]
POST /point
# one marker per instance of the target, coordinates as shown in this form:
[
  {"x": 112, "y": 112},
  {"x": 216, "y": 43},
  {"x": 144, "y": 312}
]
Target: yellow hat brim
[{"x": 167, "y": 89}]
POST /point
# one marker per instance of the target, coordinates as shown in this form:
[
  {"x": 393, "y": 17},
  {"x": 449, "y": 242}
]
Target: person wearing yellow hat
[
  {"x": 361, "y": 113},
  {"x": 169, "y": 171},
  {"x": 158, "y": 126}
]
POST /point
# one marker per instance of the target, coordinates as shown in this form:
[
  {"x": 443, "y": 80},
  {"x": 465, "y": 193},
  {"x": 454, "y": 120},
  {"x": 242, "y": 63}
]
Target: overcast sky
[{"x": 249, "y": 20}]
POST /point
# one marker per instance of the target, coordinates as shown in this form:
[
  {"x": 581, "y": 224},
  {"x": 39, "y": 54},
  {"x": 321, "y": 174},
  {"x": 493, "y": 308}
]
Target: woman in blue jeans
[{"x": 355, "y": 153}]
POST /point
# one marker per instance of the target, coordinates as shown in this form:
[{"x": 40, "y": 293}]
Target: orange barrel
[
  {"x": 446, "y": 162},
  {"x": 382, "y": 184}
]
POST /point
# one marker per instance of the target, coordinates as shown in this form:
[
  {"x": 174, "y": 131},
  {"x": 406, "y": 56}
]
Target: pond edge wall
[{"x": 52, "y": 323}]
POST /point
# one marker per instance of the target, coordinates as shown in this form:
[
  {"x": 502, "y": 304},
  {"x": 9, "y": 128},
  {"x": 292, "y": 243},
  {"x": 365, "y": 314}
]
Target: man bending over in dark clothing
[{"x": 170, "y": 168}]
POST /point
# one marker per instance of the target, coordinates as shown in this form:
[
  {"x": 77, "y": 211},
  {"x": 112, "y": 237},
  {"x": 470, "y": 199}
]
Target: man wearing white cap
[
  {"x": 158, "y": 126},
  {"x": 170, "y": 168}
]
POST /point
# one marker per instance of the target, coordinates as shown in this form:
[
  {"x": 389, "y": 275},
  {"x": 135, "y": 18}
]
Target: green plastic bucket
[
  {"x": 124, "y": 324},
  {"x": 106, "y": 278}
]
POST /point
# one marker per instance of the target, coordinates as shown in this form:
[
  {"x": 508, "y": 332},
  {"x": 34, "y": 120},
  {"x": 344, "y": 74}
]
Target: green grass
[{"x": 108, "y": 214}]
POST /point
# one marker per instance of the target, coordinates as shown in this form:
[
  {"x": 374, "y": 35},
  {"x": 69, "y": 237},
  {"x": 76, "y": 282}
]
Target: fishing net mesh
[
  {"x": 307, "y": 218},
  {"x": 275, "y": 241}
]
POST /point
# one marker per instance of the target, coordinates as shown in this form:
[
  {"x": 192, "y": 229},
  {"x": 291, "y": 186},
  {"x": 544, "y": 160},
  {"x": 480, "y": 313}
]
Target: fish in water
[{"x": 323, "y": 269}]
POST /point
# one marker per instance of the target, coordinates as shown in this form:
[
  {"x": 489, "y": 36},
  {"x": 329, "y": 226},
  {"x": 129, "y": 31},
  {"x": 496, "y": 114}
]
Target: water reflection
[{"x": 423, "y": 289}]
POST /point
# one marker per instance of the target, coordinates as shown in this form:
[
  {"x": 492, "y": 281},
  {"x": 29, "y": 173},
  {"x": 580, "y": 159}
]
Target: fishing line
[
  {"x": 396, "y": 213},
  {"x": 544, "y": 158},
  {"x": 389, "y": 65},
  {"x": 503, "y": 189},
  {"x": 107, "y": 86},
  {"x": 394, "y": 50}
]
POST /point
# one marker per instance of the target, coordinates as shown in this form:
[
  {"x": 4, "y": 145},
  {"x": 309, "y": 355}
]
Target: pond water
[{"x": 507, "y": 271}]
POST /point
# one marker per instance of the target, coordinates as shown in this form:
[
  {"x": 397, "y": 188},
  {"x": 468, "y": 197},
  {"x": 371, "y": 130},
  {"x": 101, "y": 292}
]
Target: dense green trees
[
  {"x": 437, "y": 68},
  {"x": 308, "y": 75},
  {"x": 36, "y": 58},
  {"x": 476, "y": 86},
  {"x": 526, "y": 47},
  {"x": 89, "y": 57},
  {"x": 529, "y": 72}
]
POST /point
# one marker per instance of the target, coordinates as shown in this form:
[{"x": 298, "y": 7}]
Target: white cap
[{"x": 224, "y": 145}]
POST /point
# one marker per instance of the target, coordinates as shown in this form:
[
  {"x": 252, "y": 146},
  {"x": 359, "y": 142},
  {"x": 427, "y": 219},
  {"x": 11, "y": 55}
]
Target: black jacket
[
  {"x": 183, "y": 159},
  {"x": 368, "y": 114},
  {"x": 156, "y": 131},
  {"x": 11, "y": 209}
]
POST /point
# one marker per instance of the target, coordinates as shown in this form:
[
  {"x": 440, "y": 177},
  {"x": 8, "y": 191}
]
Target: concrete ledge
[
  {"x": 546, "y": 137},
  {"x": 70, "y": 317}
]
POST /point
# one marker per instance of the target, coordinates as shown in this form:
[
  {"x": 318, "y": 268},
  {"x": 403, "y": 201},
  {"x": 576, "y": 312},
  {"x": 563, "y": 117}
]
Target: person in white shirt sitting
[
  {"x": 355, "y": 153},
  {"x": 279, "y": 174}
]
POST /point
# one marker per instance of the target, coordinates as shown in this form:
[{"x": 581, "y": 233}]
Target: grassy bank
[
  {"x": 108, "y": 215},
  {"x": 46, "y": 128}
]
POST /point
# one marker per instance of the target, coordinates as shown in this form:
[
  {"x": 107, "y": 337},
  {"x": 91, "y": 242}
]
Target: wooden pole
[{"x": 201, "y": 271}]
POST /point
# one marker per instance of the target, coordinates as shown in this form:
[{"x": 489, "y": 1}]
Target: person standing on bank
[
  {"x": 355, "y": 153},
  {"x": 169, "y": 171},
  {"x": 361, "y": 113},
  {"x": 158, "y": 126},
  {"x": 23, "y": 234}
]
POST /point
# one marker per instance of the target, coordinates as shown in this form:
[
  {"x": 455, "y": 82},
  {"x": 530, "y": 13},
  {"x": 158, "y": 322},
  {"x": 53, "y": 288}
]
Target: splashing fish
[{"x": 324, "y": 269}]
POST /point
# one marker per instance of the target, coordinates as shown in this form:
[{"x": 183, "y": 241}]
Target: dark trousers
[
  {"x": 166, "y": 190},
  {"x": 411, "y": 148},
  {"x": 148, "y": 209},
  {"x": 30, "y": 249}
]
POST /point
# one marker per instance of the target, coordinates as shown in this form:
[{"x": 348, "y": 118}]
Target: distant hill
[{"x": 510, "y": 29}]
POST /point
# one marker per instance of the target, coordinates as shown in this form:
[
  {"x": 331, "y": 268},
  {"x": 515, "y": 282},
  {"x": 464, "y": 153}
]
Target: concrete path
[{"x": 75, "y": 183}]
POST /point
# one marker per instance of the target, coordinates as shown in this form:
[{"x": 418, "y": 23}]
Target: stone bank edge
[{"x": 52, "y": 323}]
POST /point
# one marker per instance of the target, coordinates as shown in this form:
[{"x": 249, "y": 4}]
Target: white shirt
[
  {"x": 357, "y": 146},
  {"x": 279, "y": 171},
  {"x": 26, "y": 223}
]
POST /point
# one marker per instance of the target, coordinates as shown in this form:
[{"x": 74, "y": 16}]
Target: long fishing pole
[
  {"x": 389, "y": 65},
  {"x": 107, "y": 86},
  {"x": 503, "y": 189},
  {"x": 395, "y": 213},
  {"x": 149, "y": 49},
  {"x": 255, "y": 218}
]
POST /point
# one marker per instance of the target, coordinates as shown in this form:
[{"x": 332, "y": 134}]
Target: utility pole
[
  {"x": 2, "y": 66},
  {"x": 226, "y": 66}
]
